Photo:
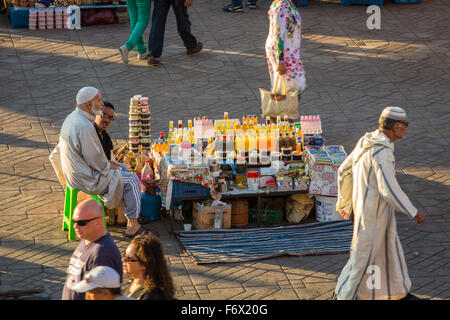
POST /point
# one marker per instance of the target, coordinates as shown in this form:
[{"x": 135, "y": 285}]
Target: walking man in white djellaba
[{"x": 368, "y": 187}]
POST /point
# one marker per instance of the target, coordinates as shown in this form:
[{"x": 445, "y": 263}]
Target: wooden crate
[{"x": 203, "y": 217}]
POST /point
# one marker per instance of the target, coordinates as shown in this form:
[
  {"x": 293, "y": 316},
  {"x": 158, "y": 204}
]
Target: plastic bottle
[
  {"x": 146, "y": 174},
  {"x": 225, "y": 115},
  {"x": 299, "y": 146}
]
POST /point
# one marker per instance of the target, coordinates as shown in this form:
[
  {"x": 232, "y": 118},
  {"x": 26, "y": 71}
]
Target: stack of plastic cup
[
  {"x": 41, "y": 19},
  {"x": 59, "y": 18},
  {"x": 49, "y": 13},
  {"x": 66, "y": 16},
  {"x": 135, "y": 125},
  {"x": 32, "y": 19},
  {"x": 145, "y": 125}
]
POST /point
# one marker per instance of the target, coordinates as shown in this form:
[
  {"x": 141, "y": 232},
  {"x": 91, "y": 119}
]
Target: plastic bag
[
  {"x": 279, "y": 102},
  {"x": 298, "y": 207}
]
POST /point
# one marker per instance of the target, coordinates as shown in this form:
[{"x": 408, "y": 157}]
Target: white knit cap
[
  {"x": 99, "y": 277},
  {"x": 86, "y": 94},
  {"x": 395, "y": 113}
]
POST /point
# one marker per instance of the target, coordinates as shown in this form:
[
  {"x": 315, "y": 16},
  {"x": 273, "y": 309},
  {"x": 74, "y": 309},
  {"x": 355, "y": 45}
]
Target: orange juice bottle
[{"x": 244, "y": 126}]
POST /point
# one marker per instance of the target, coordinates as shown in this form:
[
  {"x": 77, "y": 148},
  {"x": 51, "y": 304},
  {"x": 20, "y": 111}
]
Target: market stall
[
  {"x": 214, "y": 162},
  {"x": 53, "y": 14}
]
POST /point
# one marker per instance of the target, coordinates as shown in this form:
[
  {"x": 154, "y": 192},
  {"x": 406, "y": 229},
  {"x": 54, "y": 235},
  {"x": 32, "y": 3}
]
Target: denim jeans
[
  {"x": 159, "y": 18},
  {"x": 236, "y": 3}
]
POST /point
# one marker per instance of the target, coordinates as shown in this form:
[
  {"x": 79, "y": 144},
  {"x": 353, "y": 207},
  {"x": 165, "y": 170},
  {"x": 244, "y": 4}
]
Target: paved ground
[{"x": 352, "y": 74}]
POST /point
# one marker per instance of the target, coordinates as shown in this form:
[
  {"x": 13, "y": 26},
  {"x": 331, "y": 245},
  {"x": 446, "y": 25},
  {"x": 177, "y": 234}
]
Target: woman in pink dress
[{"x": 283, "y": 45}]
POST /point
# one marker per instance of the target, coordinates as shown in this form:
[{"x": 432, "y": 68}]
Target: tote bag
[{"x": 279, "y": 103}]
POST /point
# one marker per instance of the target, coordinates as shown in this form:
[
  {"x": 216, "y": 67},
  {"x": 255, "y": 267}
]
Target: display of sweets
[{"x": 139, "y": 124}]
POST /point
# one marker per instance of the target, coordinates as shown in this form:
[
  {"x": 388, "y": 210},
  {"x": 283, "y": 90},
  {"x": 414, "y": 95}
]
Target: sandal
[
  {"x": 121, "y": 224},
  {"x": 139, "y": 231}
]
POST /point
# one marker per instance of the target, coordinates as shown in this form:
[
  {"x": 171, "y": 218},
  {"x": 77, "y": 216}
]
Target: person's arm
[
  {"x": 188, "y": 3},
  {"x": 282, "y": 22},
  {"x": 344, "y": 202},
  {"x": 383, "y": 165}
]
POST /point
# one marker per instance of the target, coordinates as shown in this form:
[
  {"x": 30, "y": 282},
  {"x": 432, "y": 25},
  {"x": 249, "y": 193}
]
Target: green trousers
[{"x": 139, "y": 12}]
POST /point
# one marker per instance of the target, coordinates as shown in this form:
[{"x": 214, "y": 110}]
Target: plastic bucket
[{"x": 326, "y": 209}]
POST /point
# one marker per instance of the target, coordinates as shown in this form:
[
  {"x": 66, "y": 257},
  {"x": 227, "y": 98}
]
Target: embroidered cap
[
  {"x": 395, "y": 113},
  {"x": 99, "y": 277},
  {"x": 86, "y": 94}
]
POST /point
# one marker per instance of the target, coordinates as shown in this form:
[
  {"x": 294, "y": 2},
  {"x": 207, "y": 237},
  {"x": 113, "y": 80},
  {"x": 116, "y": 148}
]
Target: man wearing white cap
[
  {"x": 85, "y": 165},
  {"x": 101, "y": 283},
  {"x": 368, "y": 187}
]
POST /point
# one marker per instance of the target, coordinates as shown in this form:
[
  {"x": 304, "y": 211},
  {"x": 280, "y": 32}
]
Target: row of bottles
[
  {"x": 230, "y": 137},
  {"x": 311, "y": 124}
]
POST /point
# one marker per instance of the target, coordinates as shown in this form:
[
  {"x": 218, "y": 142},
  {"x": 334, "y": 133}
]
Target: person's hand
[
  {"x": 281, "y": 68},
  {"x": 188, "y": 3},
  {"x": 344, "y": 213},
  {"x": 113, "y": 165},
  {"x": 420, "y": 218}
]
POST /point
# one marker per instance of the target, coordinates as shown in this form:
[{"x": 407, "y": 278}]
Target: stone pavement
[{"x": 352, "y": 74}]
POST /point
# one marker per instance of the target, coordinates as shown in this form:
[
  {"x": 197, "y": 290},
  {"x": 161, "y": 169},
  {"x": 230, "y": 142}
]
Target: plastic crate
[
  {"x": 406, "y": 1},
  {"x": 270, "y": 216},
  {"x": 300, "y": 3},
  {"x": 187, "y": 189},
  {"x": 19, "y": 17},
  {"x": 363, "y": 2}
]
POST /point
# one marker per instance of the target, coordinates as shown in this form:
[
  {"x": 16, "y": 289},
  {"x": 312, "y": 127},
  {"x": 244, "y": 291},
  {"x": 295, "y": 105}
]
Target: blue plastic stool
[{"x": 70, "y": 204}]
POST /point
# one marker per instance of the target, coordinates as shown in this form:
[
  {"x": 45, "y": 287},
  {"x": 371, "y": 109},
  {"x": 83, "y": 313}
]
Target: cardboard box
[{"x": 205, "y": 217}]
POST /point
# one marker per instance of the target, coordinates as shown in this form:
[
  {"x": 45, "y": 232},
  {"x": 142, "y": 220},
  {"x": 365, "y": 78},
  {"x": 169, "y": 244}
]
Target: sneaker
[
  {"x": 251, "y": 5},
  {"x": 124, "y": 54},
  {"x": 195, "y": 50},
  {"x": 230, "y": 8},
  {"x": 152, "y": 61},
  {"x": 143, "y": 56}
]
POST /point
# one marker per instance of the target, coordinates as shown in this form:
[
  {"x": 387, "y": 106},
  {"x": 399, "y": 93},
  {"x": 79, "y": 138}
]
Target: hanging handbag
[{"x": 279, "y": 102}]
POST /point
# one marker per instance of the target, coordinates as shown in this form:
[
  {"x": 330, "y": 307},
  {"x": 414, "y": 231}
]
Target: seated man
[
  {"x": 86, "y": 167},
  {"x": 102, "y": 123}
]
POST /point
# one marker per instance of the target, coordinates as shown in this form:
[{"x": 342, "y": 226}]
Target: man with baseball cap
[
  {"x": 101, "y": 283},
  {"x": 85, "y": 166},
  {"x": 368, "y": 188}
]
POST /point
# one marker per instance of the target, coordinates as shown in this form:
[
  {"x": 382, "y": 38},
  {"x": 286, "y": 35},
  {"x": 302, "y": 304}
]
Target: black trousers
[{"x": 159, "y": 18}]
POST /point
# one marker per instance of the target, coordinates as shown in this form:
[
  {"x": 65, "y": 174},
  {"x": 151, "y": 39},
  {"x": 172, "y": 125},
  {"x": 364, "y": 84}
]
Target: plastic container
[
  {"x": 300, "y": 3},
  {"x": 185, "y": 151},
  {"x": 363, "y": 2},
  {"x": 284, "y": 183},
  {"x": 183, "y": 189},
  {"x": 253, "y": 180},
  {"x": 406, "y": 1},
  {"x": 326, "y": 209},
  {"x": 150, "y": 206}
]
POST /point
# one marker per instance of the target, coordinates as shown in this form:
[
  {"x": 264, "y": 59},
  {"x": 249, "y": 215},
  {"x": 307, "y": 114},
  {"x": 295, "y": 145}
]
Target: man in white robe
[
  {"x": 85, "y": 166},
  {"x": 368, "y": 187}
]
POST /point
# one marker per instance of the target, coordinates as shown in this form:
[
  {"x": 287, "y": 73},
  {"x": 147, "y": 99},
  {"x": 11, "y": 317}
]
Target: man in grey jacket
[{"x": 85, "y": 166}]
